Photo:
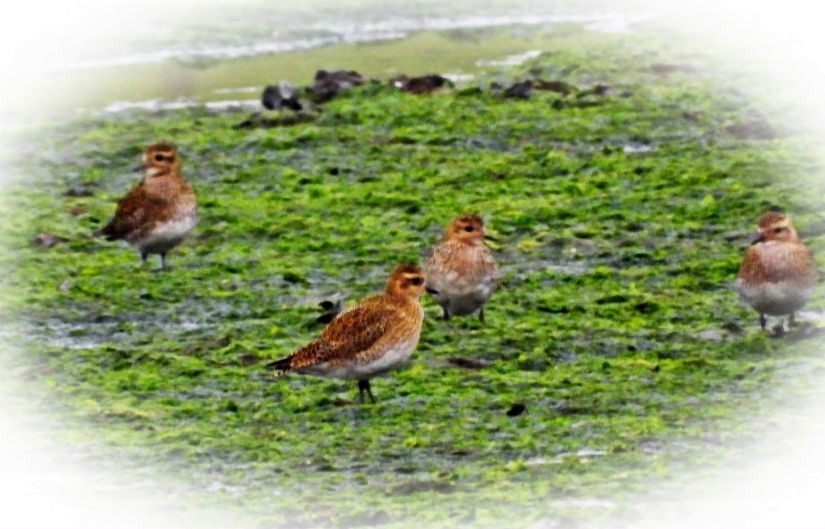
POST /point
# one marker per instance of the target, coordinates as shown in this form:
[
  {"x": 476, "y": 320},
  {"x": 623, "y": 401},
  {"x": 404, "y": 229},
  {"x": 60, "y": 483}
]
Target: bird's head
[
  {"x": 161, "y": 158},
  {"x": 775, "y": 226},
  {"x": 406, "y": 280},
  {"x": 466, "y": 228}
]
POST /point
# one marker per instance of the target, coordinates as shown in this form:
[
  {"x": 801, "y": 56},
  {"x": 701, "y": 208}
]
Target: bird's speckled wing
[
  {"x": 135, "y": 211},
  {"x": 352, "y": 336}
]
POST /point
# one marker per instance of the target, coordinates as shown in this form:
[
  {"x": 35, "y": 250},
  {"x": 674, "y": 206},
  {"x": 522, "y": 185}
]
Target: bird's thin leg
[
  {"x": 779, "y": 329},
  {"x": 762, "y": 321},
  {"x": 364, "y": 387},
  {"x": 143, "y": 257},
  {"x": 792, "y": 320},
  {"x": 446, "y": 314},
  {"x": 163, "y": 261},
  {"x": 481, "y": 315}
]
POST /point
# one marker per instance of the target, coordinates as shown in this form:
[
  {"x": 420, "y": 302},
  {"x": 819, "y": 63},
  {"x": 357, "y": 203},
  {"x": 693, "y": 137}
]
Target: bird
[
  {"x": 159, "y": 212},
  {"x": 461, "y": 271},
  {"x": 778, "y": 274},
  {"x": 377, "y": 335}
]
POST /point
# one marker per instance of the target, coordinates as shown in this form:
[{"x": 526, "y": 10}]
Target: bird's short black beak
[
  {"x": 491, "y": 238},
  {"x": 137, "y": 168},
  {"x": 431, "y": 290},
  {"x": 759, "y": 238}
]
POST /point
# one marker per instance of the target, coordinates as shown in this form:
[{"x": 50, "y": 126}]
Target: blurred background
[{"x": 61, "y": 60}]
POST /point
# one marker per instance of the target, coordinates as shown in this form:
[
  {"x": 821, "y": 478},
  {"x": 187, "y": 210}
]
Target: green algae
[{"x": 619, "y": 229}]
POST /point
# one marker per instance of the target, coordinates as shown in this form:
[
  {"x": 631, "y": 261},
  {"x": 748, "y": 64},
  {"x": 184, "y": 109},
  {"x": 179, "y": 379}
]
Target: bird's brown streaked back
[
  {"x": 349, "y": 337},
  {"x": 158, "y": 213},
  {"x": 461, "y": 271},
  {"x": 778, "y": 274},
  {"x": 363, "y": 334}
]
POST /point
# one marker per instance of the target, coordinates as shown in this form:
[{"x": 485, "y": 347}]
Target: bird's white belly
[
  {"x": 461, "y": 296},
  {"x": 393, "y": 358},
  {"x": 167, "y": 235},
  {"x": 774, "y": 299}
]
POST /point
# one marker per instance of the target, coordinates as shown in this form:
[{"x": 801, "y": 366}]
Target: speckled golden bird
[
  {"x": 461, "y": 270},
  {"x": 375, "y": 336},
  {"x": 778, "y": 274},
  {"x": 157, "y": 214}
]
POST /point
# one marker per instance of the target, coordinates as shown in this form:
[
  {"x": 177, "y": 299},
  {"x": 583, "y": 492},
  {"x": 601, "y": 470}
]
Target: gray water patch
[
  {"x": 89, "y": 334},
  {"x": 326, "y": 33},
  {"x": 158, "y": 105},
  {"x": 813, "y": 316},
  {"x": 399, "y": 24},
  {"x": 512, "y": 264},
  {"x": 637, "y": 148}
]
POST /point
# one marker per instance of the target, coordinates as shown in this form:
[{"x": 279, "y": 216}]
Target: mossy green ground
[{"x": 614, "y": 322}]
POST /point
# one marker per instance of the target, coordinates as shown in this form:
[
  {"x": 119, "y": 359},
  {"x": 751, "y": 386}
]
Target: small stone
[
  {"x": 281, "y": 95},
  {"x": 424, "y": 84},
  {"x": 559, "y": 87},
  {"x": 469, "y": 363},
  {"x": 327, "y": 85},
  {"x": 48, "y": 239},
  {"x": 520, "y": 90}
]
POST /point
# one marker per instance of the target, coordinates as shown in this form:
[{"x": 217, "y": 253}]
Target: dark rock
[
  {"x": 597, "y": 89},
  {"x": 260, "y": 121},
  {"x": 559, "y": 87},
  {"x": 516, "y": 409},
  {"x": 469, "y": 363},
  {"x": 280, "y": 96},
  {"x": 520, "y": 90},
  {"x": 732, "y": 326},
  {"x": 425, "y": 84},
  {"x": 329, "y": 84},
  {"x": 331, "y": 307},
  {"x": 48, "y": 239}
]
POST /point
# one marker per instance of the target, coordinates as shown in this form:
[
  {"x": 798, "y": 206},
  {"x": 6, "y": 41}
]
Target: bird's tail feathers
[
  {"x": 106, "y": 231},
  {"x": 282, "y": 366}
]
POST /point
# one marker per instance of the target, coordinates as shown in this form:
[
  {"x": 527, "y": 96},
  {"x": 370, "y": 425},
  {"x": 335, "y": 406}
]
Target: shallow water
[{"x": 208, "y": 71}]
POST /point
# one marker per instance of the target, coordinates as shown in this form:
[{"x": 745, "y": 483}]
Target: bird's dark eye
[
  {"x": 158, "y": 157},
  {"x": 778, "y": 230},
  {"x": 469, "y": 228},
  {"x": 416, "y": 281}
]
